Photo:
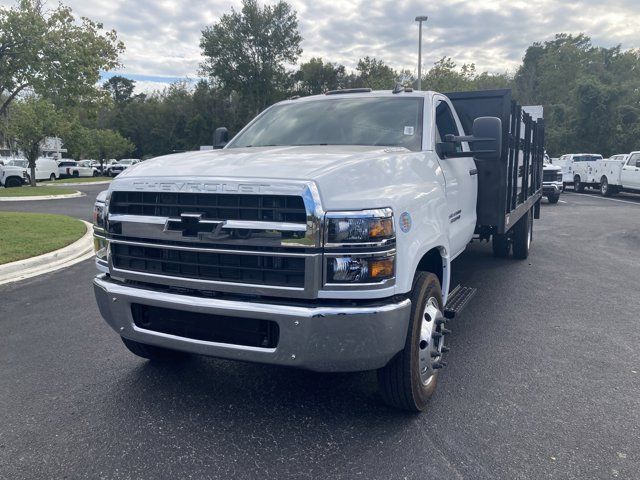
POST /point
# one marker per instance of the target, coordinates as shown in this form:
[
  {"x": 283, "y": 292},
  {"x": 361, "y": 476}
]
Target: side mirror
[
  {"x": 220, "y": 137},
  {"x": 486, "y": 141},
  {"x": 487, "y": 138}
]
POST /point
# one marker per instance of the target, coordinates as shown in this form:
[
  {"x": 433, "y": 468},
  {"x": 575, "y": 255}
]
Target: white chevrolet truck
[
  {"x": 322, "y": 235},
  {"x": 620, "y": 173}
]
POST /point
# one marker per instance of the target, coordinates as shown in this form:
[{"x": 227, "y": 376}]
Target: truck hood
[
  {"x": 346, "y": 176},
  {"x": 295, "y": 163},
  {"x": 552, "y": 168}
]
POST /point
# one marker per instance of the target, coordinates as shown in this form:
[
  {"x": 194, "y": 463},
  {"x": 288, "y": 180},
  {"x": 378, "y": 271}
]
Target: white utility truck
[
  {"x": 619, "y": 175},
  {"x": 583, "y": 167},
  {"x": 12, "y": 175},
  {"x": 322, "y": 235}
]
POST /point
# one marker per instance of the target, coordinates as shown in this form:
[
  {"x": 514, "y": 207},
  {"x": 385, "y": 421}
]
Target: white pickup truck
[
  {"x": 619, "y": 174},
  {"x": 12, "y": 176},
  {"x": 322, "y": 235}
]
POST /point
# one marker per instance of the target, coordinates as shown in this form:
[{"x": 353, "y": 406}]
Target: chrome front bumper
[
  {"x": 321, "y": 338},
  {"x": 551, "y": 188}
]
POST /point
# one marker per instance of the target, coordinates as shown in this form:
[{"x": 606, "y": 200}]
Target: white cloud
[{"x": 162, "y": 36}]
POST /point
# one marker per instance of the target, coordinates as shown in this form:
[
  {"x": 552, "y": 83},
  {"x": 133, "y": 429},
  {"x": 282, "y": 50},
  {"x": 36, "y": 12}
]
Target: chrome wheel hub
[{"x": 430, "y": 342}]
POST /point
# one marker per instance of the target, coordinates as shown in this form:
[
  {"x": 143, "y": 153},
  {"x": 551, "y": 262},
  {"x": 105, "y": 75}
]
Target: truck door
[
  {"x": 630, "y": 175},
  {"x": 461, "y": 178}
]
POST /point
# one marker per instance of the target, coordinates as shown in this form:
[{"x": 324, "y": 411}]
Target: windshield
[
  {"x": 125, "y": 162},
  {"x": 393, "y": 122},
  {"x": 18, "y": 163}
]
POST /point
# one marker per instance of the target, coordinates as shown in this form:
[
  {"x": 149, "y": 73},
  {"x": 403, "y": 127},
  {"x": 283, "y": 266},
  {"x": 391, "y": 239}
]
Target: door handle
[{"x": 473, "y": 171}]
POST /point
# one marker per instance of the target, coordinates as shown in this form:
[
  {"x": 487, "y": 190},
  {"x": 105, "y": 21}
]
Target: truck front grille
[
  {"x": 213, "y": 206},
  {"x": 551, "y": 176},
  {"x": 273, "y": 270},
  {"x": 250, "y": 332}
]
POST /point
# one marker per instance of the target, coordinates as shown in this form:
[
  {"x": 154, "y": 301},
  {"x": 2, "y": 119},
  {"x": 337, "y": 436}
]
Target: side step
[{"x": 458, "y": 299}]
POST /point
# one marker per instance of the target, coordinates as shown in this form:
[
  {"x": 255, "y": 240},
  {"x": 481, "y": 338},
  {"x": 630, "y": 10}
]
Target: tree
[
  {"x": 51, "y": 54},
  {"x": 107, "y": 144},
  {"x": 119, "y": 88},
  {"x": 31, "y": 120},
  {"x": 246, "y": 52},
  {"x": 375, "y": 74},
  {"x": 315, "y": 77}
]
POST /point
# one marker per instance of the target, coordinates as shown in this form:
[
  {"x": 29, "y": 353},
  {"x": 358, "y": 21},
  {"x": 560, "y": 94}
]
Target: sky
[{"x": 162, "y": 36}]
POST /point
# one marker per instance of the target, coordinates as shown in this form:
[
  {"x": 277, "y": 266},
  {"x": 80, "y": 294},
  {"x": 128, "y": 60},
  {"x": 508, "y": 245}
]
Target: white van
[{"x": 46, "y": 168}]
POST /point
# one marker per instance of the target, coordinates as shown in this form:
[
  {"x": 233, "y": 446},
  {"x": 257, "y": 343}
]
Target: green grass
[
  {"x": 38, "y": 191},
  {"x": 79, "y": 180},
  {"x": 24, "y": 235}
]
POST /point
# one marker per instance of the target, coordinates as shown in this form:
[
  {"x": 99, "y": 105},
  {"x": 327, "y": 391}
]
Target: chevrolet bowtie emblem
[{"x": 192, "y": 225}]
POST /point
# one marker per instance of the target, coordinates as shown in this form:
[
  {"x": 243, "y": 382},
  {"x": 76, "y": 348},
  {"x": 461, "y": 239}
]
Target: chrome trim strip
[{"x": 210, "y": 250}]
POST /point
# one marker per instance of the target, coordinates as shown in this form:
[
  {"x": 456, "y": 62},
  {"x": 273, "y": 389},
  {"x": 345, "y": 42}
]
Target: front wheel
[
  {"x": 553, "y": 198},
  {"x": 151, "y": 352},
  {"x": 410, "y": 378},
  {"x": 12, "y": 182},
  {"x": 523, "y": 236}
]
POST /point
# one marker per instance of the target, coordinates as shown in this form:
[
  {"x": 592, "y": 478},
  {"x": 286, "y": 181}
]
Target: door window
[
  {"x": 446, "y": 123},
  {"x": 634, "y": 160}
]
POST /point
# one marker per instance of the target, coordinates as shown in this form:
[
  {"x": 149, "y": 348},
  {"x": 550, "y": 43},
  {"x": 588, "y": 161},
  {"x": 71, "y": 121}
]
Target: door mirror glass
[{"x": 487, "y": 138}]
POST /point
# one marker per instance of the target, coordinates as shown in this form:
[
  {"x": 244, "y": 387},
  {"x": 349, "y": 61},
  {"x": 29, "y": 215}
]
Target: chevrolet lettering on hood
[{"x": 210, "y": 187}]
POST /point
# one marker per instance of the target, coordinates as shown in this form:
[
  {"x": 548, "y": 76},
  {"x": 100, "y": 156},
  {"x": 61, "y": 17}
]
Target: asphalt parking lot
[{"x": 543, "y": 379}]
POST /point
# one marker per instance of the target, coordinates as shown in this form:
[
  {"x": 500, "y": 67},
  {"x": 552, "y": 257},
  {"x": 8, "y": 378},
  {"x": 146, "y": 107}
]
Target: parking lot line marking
[{"x": 604, "y": 198}]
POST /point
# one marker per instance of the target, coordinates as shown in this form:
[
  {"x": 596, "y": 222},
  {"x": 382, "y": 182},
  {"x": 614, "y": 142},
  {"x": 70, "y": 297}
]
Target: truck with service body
[
  {"x": 583, "y": 167},
  {"x": 322, "y": 235},
  {"x": 620, "y": 174}
]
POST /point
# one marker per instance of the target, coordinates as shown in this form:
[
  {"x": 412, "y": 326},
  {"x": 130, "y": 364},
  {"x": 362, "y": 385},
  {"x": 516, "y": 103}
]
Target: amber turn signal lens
[
  {"x": 381, "y": 228},
  {"x": 382, "y": 268}
]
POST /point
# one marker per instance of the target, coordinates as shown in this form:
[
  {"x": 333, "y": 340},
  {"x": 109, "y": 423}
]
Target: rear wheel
[
  {"x": 578, "y": 186},
  {"x": 76, "y": 174},
  {"x": 501, "y": 245},
  {"x": 523, "y": 236},
  {"x": 553, "y": 198},
  {"x": 605, "y": 189},
  {"x": 52, "y": 178},
  {"x": 410, "y": 378},
  {"x": 151, "y": 352},
  {"x": 95, "y": 173}
]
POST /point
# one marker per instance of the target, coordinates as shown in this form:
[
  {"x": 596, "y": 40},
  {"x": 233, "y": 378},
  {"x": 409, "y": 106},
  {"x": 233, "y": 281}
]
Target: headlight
[
  {"x": 100, "y": 210},
  {"x": 355, "y": 269},
  {"x": 362, "y": 227}
]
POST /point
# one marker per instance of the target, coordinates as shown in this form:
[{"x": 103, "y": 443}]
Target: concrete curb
[
  {"x": 75, "y": 184},
  {"x": 42, "y": 197},
  {"x": 76, "y": 252}
]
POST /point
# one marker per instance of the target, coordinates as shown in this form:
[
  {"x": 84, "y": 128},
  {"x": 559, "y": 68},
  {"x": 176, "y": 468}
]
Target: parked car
[
  {"x": 121, "y": 166},
  {"x": 46, "y": 168},
  {"x": 620, "y": 175},
  {"x": 552, "y": 182},
  {"x": 568, "y": 163},
  {"x": 12, "y": 175},
  {"x": 331, "y": 251},
  {"x": 578, "y": 170}
]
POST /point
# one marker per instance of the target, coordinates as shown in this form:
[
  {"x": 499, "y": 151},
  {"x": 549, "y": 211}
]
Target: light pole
[{"x": 421, "y": 19}]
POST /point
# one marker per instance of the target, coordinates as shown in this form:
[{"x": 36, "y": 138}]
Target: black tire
[
  {"x": 75, "y": 174},
  {"x": 151, "y": 352},
  {"x": 523, "y": 236},
  {"x": 553, "y": 198},
  {"x": 95, "y": 173},
  {"x": 606, "y": 190},
  {"x": 12, "y": 182},
  {"x": 399, "y": 381},
  {"x": 501, "y": 245},
  {"x": 578, "y": 186},
  {"x": 52, "y": 178}
]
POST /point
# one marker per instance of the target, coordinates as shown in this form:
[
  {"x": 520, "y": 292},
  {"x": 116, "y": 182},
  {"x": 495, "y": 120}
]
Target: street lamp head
[{"x": 423, "y": 18}]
